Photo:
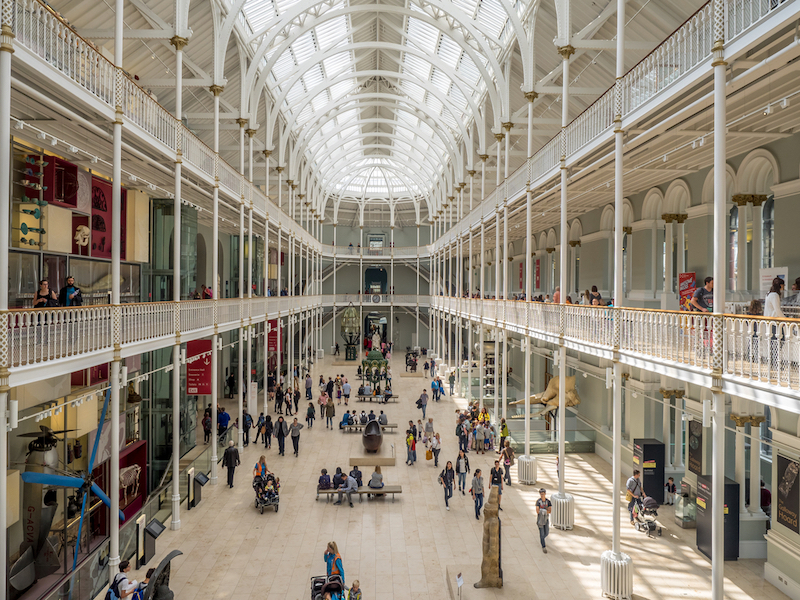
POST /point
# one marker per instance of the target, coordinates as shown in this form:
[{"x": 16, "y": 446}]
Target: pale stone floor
[{"x": 402, "y": 549}]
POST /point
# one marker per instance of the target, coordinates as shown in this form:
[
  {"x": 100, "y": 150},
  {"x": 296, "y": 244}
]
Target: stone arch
[
  {"x": 542, "y": 241},
  {"x": 758, "y": 172},
  {"x": 677, "y": 198},
  {"x": 653, "y": 203},
  {"x": 607, "y": 218},
  {"x": 552, "y": 239},
  {"x": 575, "y": 231},
  {"x": 510, "y": 250},
  {"x": 730, "y": 185}
]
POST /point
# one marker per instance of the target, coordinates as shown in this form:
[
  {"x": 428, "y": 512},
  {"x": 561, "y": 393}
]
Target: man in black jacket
[
  {"x": 69, "y": 294},
  {"x": 230, "y": 460}
]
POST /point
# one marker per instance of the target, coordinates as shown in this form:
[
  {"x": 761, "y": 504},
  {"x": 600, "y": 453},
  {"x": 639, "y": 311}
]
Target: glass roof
[{"x": 431, "y": 90}]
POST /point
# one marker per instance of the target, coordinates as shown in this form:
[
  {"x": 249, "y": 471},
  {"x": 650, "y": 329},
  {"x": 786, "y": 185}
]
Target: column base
[
  {"x": 563, "y": 515},
  {"x": 616, "y": 575},
  {"x": 175, "y": 524},
  {"x": 526, "y": 470}
]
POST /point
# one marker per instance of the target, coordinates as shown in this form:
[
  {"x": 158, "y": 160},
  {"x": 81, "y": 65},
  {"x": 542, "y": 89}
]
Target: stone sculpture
[
  {"x": 491, "y": 567},
  {"x": 549, "y": 397}
]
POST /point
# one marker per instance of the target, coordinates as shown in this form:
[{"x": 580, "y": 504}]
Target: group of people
[
  {"x": 69, "y": 295},
  {"x": 348, "y": 484},
  {"x": 354, "y": 418}
]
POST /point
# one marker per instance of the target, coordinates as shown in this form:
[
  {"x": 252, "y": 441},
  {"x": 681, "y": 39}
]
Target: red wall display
[
  {"x": 198, "y": 373},
  {"x": 61, "y": 179},
  {"x": 273, "y": 341},
  {"x": 538, "y": 273},
  {"x": 101, "y": 219},
  {"x": 521, "y": 275}
]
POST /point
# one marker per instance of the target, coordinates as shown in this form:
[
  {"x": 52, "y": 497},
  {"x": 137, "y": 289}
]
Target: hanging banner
[
  {"x": 522, "y": 275},
  {"x": 788, "y": 493},
  {"x": 273, "y": 340},
  {"x": 198, "y": 372},
  {"x": 687, "y": 283},
  {"x": 538, "y": 273},
  {"x": 696, "y": 447},
  {"x": 767, "y": 275}
]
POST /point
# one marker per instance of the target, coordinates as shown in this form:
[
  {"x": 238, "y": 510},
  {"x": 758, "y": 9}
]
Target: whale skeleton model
[{"x": 549, "y": 397}]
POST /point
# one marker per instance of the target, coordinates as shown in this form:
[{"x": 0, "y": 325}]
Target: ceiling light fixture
[
  {"x": 665, "y": 158},
  {"x": 19, "y": 125},
  {"x": 702, "y": 141},
  {"x": 768, "y": 110},
  {"x": 41, "y": 135},
  {"x": 54, "y": 142},
  {"x": 785, "y": 103}
]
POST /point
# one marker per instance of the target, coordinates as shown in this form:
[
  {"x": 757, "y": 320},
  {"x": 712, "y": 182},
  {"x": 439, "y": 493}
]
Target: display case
[{"x": 686, "y": 512}]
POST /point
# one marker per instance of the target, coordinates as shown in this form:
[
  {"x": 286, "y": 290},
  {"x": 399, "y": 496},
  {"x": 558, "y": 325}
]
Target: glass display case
[{"x": 686, "y": 512}]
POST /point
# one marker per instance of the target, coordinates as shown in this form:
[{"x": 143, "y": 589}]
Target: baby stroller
[
  {"x": 644, "y": 516},
  {"x": 267, "y": 492},
  {"x": 321, "y": 585}
]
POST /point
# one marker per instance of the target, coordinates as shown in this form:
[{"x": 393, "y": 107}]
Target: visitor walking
[
  {"x": 503, "y": 434},
  {"x": 446, "y": 478},
  {"x": 310, "y": 415},
  {"x": 281, "y": 431},
  {"x": 543, "y": 509},
  {"x": 294, "y": 430},
  {"x": 436, "y": 447},
  {"x": 230, "y": 460},
  {"x": 333, "y": 561},
  {"x": 346, "y": 389},
  {"x": 267, "y": 431},
  {"x": 452, "y": 381},
  {"x": 411, "y": 442},
  {"x": 423, "y": 402},
  {"x": 330, "y": 413},
  {"x": 462, "y": 470},
  {"x": 634, "y": 491},
  {"x": 309, "y": 385},
  {"x": 477, "y": 492},
  {"x": 496, "y": 480},
  {"x": 507, "y": 458}
]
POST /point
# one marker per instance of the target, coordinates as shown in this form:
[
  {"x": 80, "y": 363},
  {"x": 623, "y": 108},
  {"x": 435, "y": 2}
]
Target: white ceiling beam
[
  {"x": 612, "y": 45},
  {"x": 555, "y": 90},
  {"x": 136, "y": 34},
  {"x": 170, "y": 83}
]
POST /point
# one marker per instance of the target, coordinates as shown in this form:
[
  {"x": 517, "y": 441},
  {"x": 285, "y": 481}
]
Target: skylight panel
[
  {"x": 341, "y": 88},
  {"x": 441, "y": 81},
  {"x": 466, "y": 67},
  {"x": 434, "y": 103},
  {"x": 319, "y": 102},
  {"x": 425, "y": 36},
  {"x": 457, "y": 99},
  {"x": 313, "y": 77},
  {"x": 468, "y": 6},
  {"x": 414, "y": 91},
  {"x": 449, "y": 51},
  {"x": 283, "y": 67},
  {"x": 306, "y": 114},
  {"x": 303, "y": 47},
  {"x": 492, "y": 16},
  {"x": 416, "y": 66},
  {"x": 331, "y": 32},
  {"x": 259, "y": 13},
  {"x": 295, "y": 93},
  {"x": 337, "y": 64}
]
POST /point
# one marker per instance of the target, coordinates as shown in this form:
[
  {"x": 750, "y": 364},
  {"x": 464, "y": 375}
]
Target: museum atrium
[{"x": 571, "y": 211}]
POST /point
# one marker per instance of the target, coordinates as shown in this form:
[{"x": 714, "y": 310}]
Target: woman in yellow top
[{"x": 484, "y": 417}]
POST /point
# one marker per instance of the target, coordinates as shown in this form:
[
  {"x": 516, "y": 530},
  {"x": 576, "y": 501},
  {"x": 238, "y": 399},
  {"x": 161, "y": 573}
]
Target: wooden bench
[
  {"x": 359, "y": 427},
  {"x": 385, "y": 490},
  {"x": 373, "y": 461},
  {"x": 370, "y": 398}
]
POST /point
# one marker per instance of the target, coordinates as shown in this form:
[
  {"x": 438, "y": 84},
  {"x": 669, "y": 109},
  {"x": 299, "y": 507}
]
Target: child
[
  {"x": 420, "y": 430},
  {"x": 671, "y": 489},
  {"x": 355, "y": 591},
  {"x": 324, "y": 481}
]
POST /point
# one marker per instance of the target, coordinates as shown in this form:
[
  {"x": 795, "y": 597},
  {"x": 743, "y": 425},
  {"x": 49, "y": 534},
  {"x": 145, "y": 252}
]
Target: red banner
[
  {"x": 687, "y": 284},
  {"x": 521, "y": 275},
  {"x": 198, "y": 372},
  {"x": 273, "y": 340},
  {"x": 538, "y": 274}
]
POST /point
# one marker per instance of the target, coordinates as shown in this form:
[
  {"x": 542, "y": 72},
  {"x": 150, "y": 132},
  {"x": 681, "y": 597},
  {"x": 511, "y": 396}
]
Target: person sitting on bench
[
  {"x": 363, "y": 418},
  {"x": 376, "y": 481},
  {"x": 367, "y": 390},
  {"x": 357, "y": 475},
  {"x": 345, "y": 421},
  {"x": 383, "y": 419},
  {"x": 348, "y": 487},
  {"x": 324, "y": 481},
  {"x": 371, "y": 416},
  {"x": 386, "y": 395}
]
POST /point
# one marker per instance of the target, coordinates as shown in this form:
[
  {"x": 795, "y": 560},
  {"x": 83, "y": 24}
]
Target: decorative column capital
[
  {"x": 462, "y": 185},
  {"x": 758, "y": 199},
  {"x": 574, "y": 243},
  {"x": 266, "y": 153},
  {"x": 740, "y": 199},
  {"x": 483, "y": 157},
  {"x": 289, "y": 182},
  {"x": 628, "y": 230},
  {"x": 681, "y": 218},
  {"x": 179, "y": 42},
  {"x": 216, "y": 89},
  {"x": 250, "y": 132},
  {"x": 241, "y": 122},
  {"x": 499, "y": 136},
  {"x": 279, "y": 169},
  {"x": 531, "y": 96},
  {"x": 566, "y": 51},
  {"x": 550, "y": 250},
  {"x": 756, "y": 420},
  {"x": 508, "y": 125},
  {"x": 668, "y": 218},
  {"x": 740, "y": 420},
  {"x": 450, "y": 199},
  {"x": 294, "y": 186},
  {"x": 471, "y": 173}
]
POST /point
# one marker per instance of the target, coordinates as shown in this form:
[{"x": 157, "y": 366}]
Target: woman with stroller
[
  {"x": 333, "y": 561},
  {"x": 261, "y": 468}
]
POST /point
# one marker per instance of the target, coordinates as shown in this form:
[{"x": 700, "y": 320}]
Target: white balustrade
[
  {"x": 139, "y": 108},
  {"x": 196, "y": 314},
  {"x": 196, "y": 153},
  {"x": 229, "y": 310},
  {"x": 591, "y": 123},
  {"x": 545, "y": 159},
  {"x": 147, "y": 321},
  {"x": 764, "y": 350},
  {"x": 517, "y": 182},
  {"x": 39, "y": 336}
]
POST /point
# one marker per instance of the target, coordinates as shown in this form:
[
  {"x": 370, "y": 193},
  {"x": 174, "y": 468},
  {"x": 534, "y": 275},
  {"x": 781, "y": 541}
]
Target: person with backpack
[
  {"x": 543, "y": 509},
  {"x": 248, "y": 425},
  {"x": 206, "y": 428},
  {"x": 139, "y": 592},
  {"x": 121, "y": 587},
  {"x": 462, "y": 431},
  {"x": 503, "y": 434},
  {"x": 259, "y": 426},
  {"x": 462, "y": 470}
]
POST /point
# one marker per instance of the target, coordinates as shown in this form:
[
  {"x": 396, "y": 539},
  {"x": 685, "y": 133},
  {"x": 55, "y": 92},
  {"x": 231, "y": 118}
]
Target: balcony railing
[
  {"x": 387, "y": 252},
  {"x": 756, "y": 349}
]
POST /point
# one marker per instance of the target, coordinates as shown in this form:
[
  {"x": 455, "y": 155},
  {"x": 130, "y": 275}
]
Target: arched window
[
  {"x": 768, "y": 233},
  {"x": 733, "y": 244}
]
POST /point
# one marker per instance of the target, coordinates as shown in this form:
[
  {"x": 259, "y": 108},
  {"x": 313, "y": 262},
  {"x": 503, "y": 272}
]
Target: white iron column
[
  {"x": 471, "y": 174},
  {"x": 680, "y": 243},
  {"x": 758, "y": 249},
  {"x": 668, "y": 258},
  {"x": 179, "y": 44},
  {"x": 416, "y": 300},
  {"x": 740, "y": 467},
  {"x": 741, "y": 243},
  {"x": 114, "y": 368},
  {"x": 755, "y": 464},
  {"x": 720, "y": 284},
  {"x": 482, "y": 366},
  {"x": 565, "y": 52},
  {"x": 252, "y": 401},
  {"x": 215, "y": 287},
  {"x": 483, "y": 158},
  {"x": 240, "y": 348}
]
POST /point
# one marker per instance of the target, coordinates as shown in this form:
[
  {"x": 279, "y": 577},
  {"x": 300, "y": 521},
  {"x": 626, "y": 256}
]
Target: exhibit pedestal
[
  {"x": 563, "y": 515},
  {"x": 616, "y": 575}
]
